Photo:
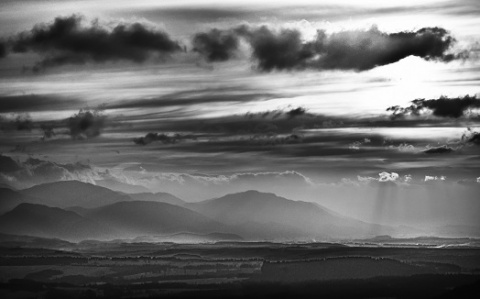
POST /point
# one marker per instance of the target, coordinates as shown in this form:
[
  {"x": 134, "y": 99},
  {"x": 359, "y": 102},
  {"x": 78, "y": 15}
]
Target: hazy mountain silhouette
[
  {"x": 138, "y": 218},
  {"x": 158, "y": 197},
  {"x": 94, "y": 212},
  {"x": 9, "y": 199},
  {"x": 49, "y": 222},
  {"x": 74, "y": 193},
  {"x": 265, "y": 215}
]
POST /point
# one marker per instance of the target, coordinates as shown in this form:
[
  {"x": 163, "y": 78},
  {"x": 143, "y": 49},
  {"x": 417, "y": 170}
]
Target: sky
[{"x": 308, "y": 99}]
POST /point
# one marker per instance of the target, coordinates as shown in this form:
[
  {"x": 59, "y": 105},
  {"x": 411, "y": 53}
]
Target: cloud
[
  {"x": 388, "y": 177},
  {"x": 441, "y": 107},
  {"x": 231, "y": 94},
  {"x": 296, "y": 112},
  {"x": 23, "y": 122},
  {"x": 439, "y": 150},
  {"x": 282, "y": 51},
  {"x": 48, "y": 131},
  {"x": 3, "y": 49},
  {"x": 34, "y": 171},
  {"x": 471, "y": 137},
  {"x": 164, "y": 138},
  {"x": 71, "y": 40},
  {"x": 34, "y": 103},
  {"x": 8, "y": 164},
  {"x": 407, "y": 178},
  {"x": 383, "y": 177},
  {"x": 86, "y": 124},
  {"x": 196, "y": 185},
  {"x": 279, "y": 114},
  {"x": 356, "y": 145},
  {"x": 363, "y": 50},
  {"x": 404, "y": 147},
  {"x": 435, "y": 178},
  {"x": 292, "y": 176},
  {"x": 216, "y": 45},
  {"x": 359, "y": 50},
  {"x": 67, "y": 40}
]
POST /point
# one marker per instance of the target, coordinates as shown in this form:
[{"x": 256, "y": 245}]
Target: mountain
[
  {"x": 47, "y": 222},
  {"x": 138, "y": 218},
  {"x": 9, "y": 199},
  {"x": 74, "y": 193},
  {"x": 260, "y": 215},
  {"x": 158, "y": 197},
  {"x": 121, "y": 187}
]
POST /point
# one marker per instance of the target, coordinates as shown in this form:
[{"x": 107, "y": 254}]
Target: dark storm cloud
[
  {"x": 48, "y": 131},
  {"x": 86, "y": 124},
  {"x": 161, "y": 137},
  {"x": 282, "y": 50},
  {"x": 279, "y": 114},
  {"x": 439, "y": 150},
  {"x": 3, "y": 49},
  {"x": 216, "y": 45},
  {"x": 441, "y": 107},
  {"x": 363, "y": 50},
  {"x": 31, "y": 103},
  {"x": 358, "y": 50},
  {"x": 8, "y": 164},
  {"x": 68, "y": 41},
  {"x": 471, "y": 137},
  {"x": 23, "y": 122},
  {"x": 296, "y": 112},
  {"x": 475, "y": 138}
]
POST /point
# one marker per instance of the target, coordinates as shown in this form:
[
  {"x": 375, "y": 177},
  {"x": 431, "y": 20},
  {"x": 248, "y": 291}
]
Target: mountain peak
[{"x": 65, "y": 194}]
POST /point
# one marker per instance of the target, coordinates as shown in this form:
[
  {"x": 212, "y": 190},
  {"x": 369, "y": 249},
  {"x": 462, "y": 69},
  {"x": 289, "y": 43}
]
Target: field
[{"x": 237, "y": 269}]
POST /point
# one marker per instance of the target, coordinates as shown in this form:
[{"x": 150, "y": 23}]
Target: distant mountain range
[
  {"x": 74, "y": 193},
  {"x": 267, "y": 216},
  {"x": 76, "y": 211},
  {"x": 152, "y": 218},
  {"x": 69, "y": 194}
]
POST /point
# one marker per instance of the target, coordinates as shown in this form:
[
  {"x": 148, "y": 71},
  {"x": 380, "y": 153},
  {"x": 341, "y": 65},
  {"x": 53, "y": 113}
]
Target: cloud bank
[
  {"x": 69, "y": 41},
  {"x": 441, "y": 107},
  {"x": 357, "y": 50}
]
